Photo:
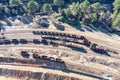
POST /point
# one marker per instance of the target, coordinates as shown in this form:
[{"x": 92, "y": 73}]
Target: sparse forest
[{"x": 75, "y": 12}]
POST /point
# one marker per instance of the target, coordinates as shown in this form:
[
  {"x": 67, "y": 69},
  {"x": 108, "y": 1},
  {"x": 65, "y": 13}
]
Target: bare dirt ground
[{"x": 89, "y": 62}]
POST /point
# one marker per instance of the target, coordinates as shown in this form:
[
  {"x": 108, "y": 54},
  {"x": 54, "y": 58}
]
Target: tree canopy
[
  {"x": 116, "y": 22},
  {"x": 14, "y": 2},
  {"x": 47, "y": 8},
  {"x": 33, "y": 6},
  {"x": 116, "y": 4},
  {"x": 84, "y": 5},
  {"x": 96, "y": 7},
  {"x": 58, "y": 2}
]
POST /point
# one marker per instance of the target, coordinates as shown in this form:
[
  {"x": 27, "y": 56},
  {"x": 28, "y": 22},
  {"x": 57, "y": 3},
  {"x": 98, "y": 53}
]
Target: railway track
[
  {"x": 30, "y": 63},
  {"x": 72, "y": 38},
  {"x": 25, "y": 71},
  {"x": 64, "y": 35}
]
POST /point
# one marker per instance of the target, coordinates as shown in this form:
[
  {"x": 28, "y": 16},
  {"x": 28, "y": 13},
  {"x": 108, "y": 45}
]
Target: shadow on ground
[
  {"x": 102, "y": 52},
  {"x": 80, "y": 49},
  {"x": 95, "y": 27}
]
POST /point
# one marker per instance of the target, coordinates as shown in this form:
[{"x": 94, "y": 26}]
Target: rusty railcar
[
  {"x": 36, "y": 41},
  {"x": 25, "y": 54},
  {"x": 15, "y": 41},
  {"x": 23, "y": 41},
  {"x": 7, "y": 41}
]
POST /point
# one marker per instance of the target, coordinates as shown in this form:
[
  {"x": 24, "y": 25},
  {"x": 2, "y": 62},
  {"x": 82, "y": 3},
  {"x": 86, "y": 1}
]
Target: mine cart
[
  {"x": 25, "y": 54},
  {"x": 76, "y": 41},
  {"x": 49, "y": 33},
  {"x": 82, "y": 37},
  {"x": 36, "y": 56},
  {"x": 44, "y": 41},
  {"x": 86, "y": 42},
  {"x": 36, "y": 41},
  {"x": 2, "y": 33},
  {"x": 66, "y": 40},
  {"x": 45, "y": 32},
  {"x": 44, "y": 57},
  {"x": 15, "y": 41},
  {"x": 23, "y": 41},
  {"x": 1, "y": 42},
  {"x": 64, "y": 34},
  {"x": 7, "y": 41},
  {"x": 73, "y": 36},
  {"x": 41, "y": 32},
  {"x": 53, "y": 43},
  {"x": 34, "y": 32},
  {"x": 60, "y": 34},
  {"x": 93, "y": 46},
  {"x": 52, "y": 58},
  {"x": 3, "y": 37},
  {"x": 77, "y": 37},
  {"x": 67, "y": 35},
  {"x": 56, "y": 33},
  {"x": 59, "y": 60}
]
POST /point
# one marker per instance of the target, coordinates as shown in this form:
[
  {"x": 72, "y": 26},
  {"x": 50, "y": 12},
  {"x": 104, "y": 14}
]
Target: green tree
[
  {"x": 118, "y": 15},
  {"x": 60, "y": 10},
  {"x": 93, "y": 17},
  {"x": 75, "y": 9},
  {"x": 116, "y": 5},
  {"x": 96, "y": 7},
  {"x": 67, "y": 12},
  {"x": 25, "y": 9},
  {"x": 107, "y": 15},
  {"x": 84, "y": 6},
  {"x": 58, "y": 2},
  {"x": 47, "y": 8},
  {"x": 14, "y": 2},
  {"x": 116, "y": 22},
  {"x": 0, "y": 7},
  {"x": 33, "y": 6},
  {"x": 7, "y": 10},
  {"x": 115, "y": 13},
  {"x": 13, "y": 11}
]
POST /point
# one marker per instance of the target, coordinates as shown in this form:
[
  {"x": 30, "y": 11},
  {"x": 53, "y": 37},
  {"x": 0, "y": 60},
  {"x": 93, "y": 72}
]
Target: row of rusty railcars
[
  {"x": 37, "y": 56},
  {"x": 69, "y": 39},
  {"x": 56, "y": 39},
  {"x": 14, "y": 41},
  {"x": 25, "y": 54}
]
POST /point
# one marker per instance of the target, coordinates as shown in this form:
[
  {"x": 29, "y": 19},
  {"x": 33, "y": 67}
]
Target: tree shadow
[
  {"x": 59, "y": 26},
  {"x": 101, "y": 27},
  {"x": 48, "y": 64},
  {"x": 102, "y": 52},
  {"x": 79, "y": 28},
  {"x": 51, "y": 64},
  {"x": 8, "y": 22},
  {"x": 2, "y": 28},
  {"x": 96, "y": 26},
  {"x": 75, "y": 25},
  {"x": 63, "y": 67},
  {"x": 117, "y": 32},
  {"x": 27, "y": 19},
  {"x": 25, "y": 55},
  {"x": 79, "y": 49}
]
